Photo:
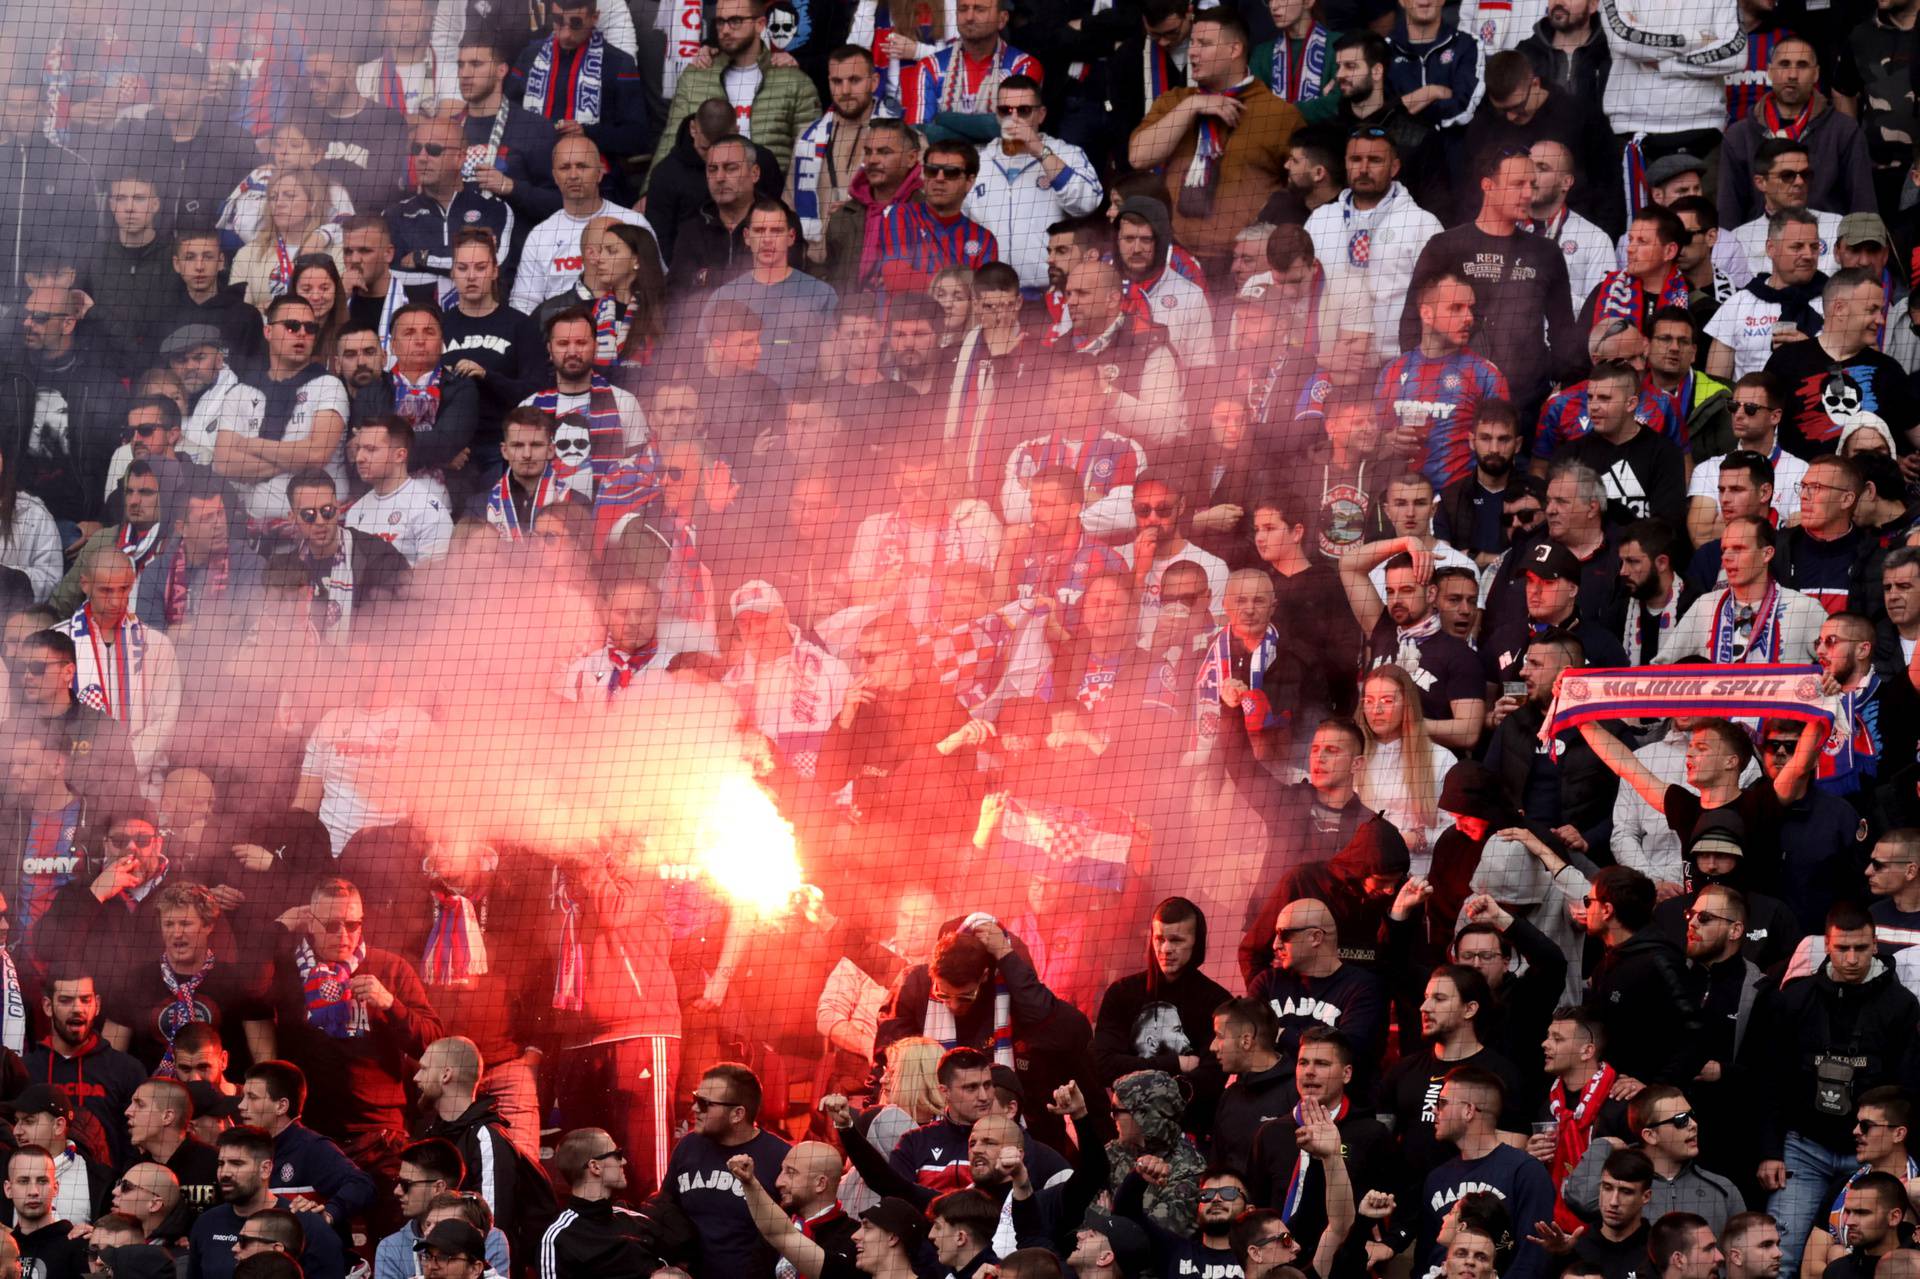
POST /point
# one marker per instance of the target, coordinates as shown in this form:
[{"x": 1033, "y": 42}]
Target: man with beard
[
  {"x": 1367, "y": 107},
  {"x": 1449, "y": 1022},
  {"x": 1564, "y": 787},
  {"x": 1874, "y": 731},
  {"x": 1374, "y": 232},
  {"x": 246, "y": 1164},
  {"x": 1724, "y": 977},
  {"x": 1358, "y": 885},
  {"x": 1569, "y": 51},
  {"x": 1174, "y": 993},
  {"x": 1769, "y": 930},
  {"x": 1658, "y": 596},
  {"x": 826, "y": 155},
  {"x": 1468, "y": 516},
  {"x": 616, "y": 426},
  {"x": 1517, "y": 278},
  {"x": 1406, "y": 631},
  {"x": 1142, "y": 241},
  {"x": 515, "y": 1188},
  {"x": 90, "y": 1073}
]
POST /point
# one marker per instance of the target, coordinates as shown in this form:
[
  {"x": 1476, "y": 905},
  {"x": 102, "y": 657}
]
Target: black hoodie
[
  {"x": 516, "y": 1188},
  {"x": 1134, "y": 1030},
  {"x": 1377, "y": 850},
  {"x": 678, "y": 185},
  {"x": 1772, "y": 929}
]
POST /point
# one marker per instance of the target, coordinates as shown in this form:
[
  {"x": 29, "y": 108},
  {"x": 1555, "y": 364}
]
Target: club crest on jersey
[{"x": 473, "y": 215}]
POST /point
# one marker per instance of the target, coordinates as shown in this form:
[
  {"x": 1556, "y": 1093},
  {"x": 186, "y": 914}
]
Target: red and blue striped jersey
[
  {"x": 1441, "y": 396},
  {"x": 1748, "y": 85},
  {"x": 917, "y": 244}
]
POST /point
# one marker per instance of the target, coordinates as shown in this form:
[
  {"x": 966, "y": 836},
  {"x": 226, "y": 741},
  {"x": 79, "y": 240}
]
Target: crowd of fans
[{"x": 1096, "y": 473}]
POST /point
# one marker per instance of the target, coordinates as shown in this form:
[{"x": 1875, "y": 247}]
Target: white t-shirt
[
  {"x": 1742, "y": 253},
  {"x": 413, "y": 519},
  {"x": 1745, "y": 323},
  {"x": 550, "y": 260},
  {"x": 1214, "y": 567},
  {"x": 354, "y": 753},
  {"x": 1788, "y": 471},
  {"x": 267, "y": 499},
  {"x": 742, "y": 83}
]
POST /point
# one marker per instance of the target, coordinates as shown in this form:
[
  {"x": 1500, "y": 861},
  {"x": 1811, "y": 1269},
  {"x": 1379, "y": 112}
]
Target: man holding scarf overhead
[{"x": 1223, "y": 141}]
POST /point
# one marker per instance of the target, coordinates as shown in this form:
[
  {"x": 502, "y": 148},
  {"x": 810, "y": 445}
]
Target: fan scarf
[
  {"x": 1156, "y": 72},
  {"x": 176, "y": 596},
  {"x": 1774, "y": 127},
  {"x": 611, "y": 324},
  {"x": 1203, "y": 172},
  {"x": 105, "y": 676},
  {"x": 142, "y": 549},
  {"x": 583, "y": 104},
  {"x": 417, "y": 402},
  {"x": 1575, "y": 1133},
  {"x": 1740, "y": 691},
  {"x": 625, "y": 664},
  {"x": 570, "y": 973},
  {"x": 1623, "y": 297},
  {"x": 331, "y": 1008},
  {"x": 1104, "y": 464},
  {"x": 456, "y": 945},
  {"x": 1217, "y": 668},
  {"x": 1298, "y": 80},
  {"x": 13, "y": 1016},
  {"x": 1302, "y": 1161},
  {"x": 180, "y": 1010},
  {"x": 606, "y": 438},
  {"x": 504, "y": 517},
  {"x": 939, "y": 1025},
  {"x": 1668, "y": 613},
  {"x": 1762, "y": 624},
  {"x": 488, "y": 156}
]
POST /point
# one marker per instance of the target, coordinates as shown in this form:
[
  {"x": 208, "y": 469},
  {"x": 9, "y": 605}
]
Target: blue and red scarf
[
  {"x": 606, "y": 438},
  {"x": 1623, "y": 297},
  {"x": 1202, "y": 182},
  {"x": 328, "y": 993},
  {"x": 552, "y": 96}
]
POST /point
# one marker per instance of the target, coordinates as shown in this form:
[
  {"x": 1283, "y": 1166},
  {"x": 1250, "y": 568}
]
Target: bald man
[
  {"x": 1140, "y": 371},
  {"x": 808, "y": 1189},
  {"x": 149, "y": 1194},
  {"x": 123, "y": 668},
  {"x": 1308, "y": 985},
  {"x": 518, "y": 1190}
]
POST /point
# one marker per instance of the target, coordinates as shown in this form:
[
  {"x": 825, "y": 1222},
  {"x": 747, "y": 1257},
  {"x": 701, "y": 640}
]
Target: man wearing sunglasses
[
  {"x": 1668, "y": 1131},
  {"x": 1028, "y": 181},
  {"x": 349, "y": 1016},
  {"x": 302, "y": 420},
  {"x": 1159, "y": 511},
  {"x": 347, "y": 570},
  {"x": 422, "y": 225}
]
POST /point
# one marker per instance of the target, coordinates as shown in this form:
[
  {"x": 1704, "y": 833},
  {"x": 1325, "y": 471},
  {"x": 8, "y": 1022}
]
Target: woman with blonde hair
[
  {"x": 1404, "y": 766},
  {"x": 295, "y": 223},
  {"x": 909, "y": 1097}
]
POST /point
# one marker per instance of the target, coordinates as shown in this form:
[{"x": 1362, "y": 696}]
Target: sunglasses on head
[
  {"x": 315, "y": 514},
  {"x": 434, "y": 149}
]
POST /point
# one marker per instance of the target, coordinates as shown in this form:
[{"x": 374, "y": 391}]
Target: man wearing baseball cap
[
  {"x": 792, "y": 688},
  {"x": 452, "y": 1250},
  {"x": 889, "y": 1235},
  {"x": 1109, "y": 1247},
  {"x": 1866, "y": 243},
  {"x": 1553, "y": 599},
  {"x": 216, "y": 397},
  {"x": 41, "y": 1117}
]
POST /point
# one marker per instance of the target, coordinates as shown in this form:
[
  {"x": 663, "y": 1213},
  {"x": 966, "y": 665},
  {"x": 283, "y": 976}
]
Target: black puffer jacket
[{"x": 1652, "y": 1023}]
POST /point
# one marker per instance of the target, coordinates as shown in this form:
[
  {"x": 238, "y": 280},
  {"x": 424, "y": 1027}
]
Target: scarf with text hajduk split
[
  {"x": 580, "y": 100},
  {"x": 1202, "y": 182},
  {"x": 1723, "y": 690},
  {"x": 327, "y": 990}
]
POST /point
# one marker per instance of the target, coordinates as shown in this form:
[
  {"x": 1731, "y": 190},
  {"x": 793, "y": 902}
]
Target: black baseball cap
[
  {"x": 1554, "y": 562},
  {"x": 455, "y": 1238},
  {"x": 42, "y": 1099},
  {"x": 900, "y": 1219}
]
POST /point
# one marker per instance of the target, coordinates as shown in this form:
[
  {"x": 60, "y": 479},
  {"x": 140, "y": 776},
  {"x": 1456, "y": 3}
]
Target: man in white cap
[{"x": 792, "y": 688}]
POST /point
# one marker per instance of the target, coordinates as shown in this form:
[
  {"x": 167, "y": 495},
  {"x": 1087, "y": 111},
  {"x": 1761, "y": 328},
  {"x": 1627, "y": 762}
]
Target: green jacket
[{"x": 786, "y": 103}]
